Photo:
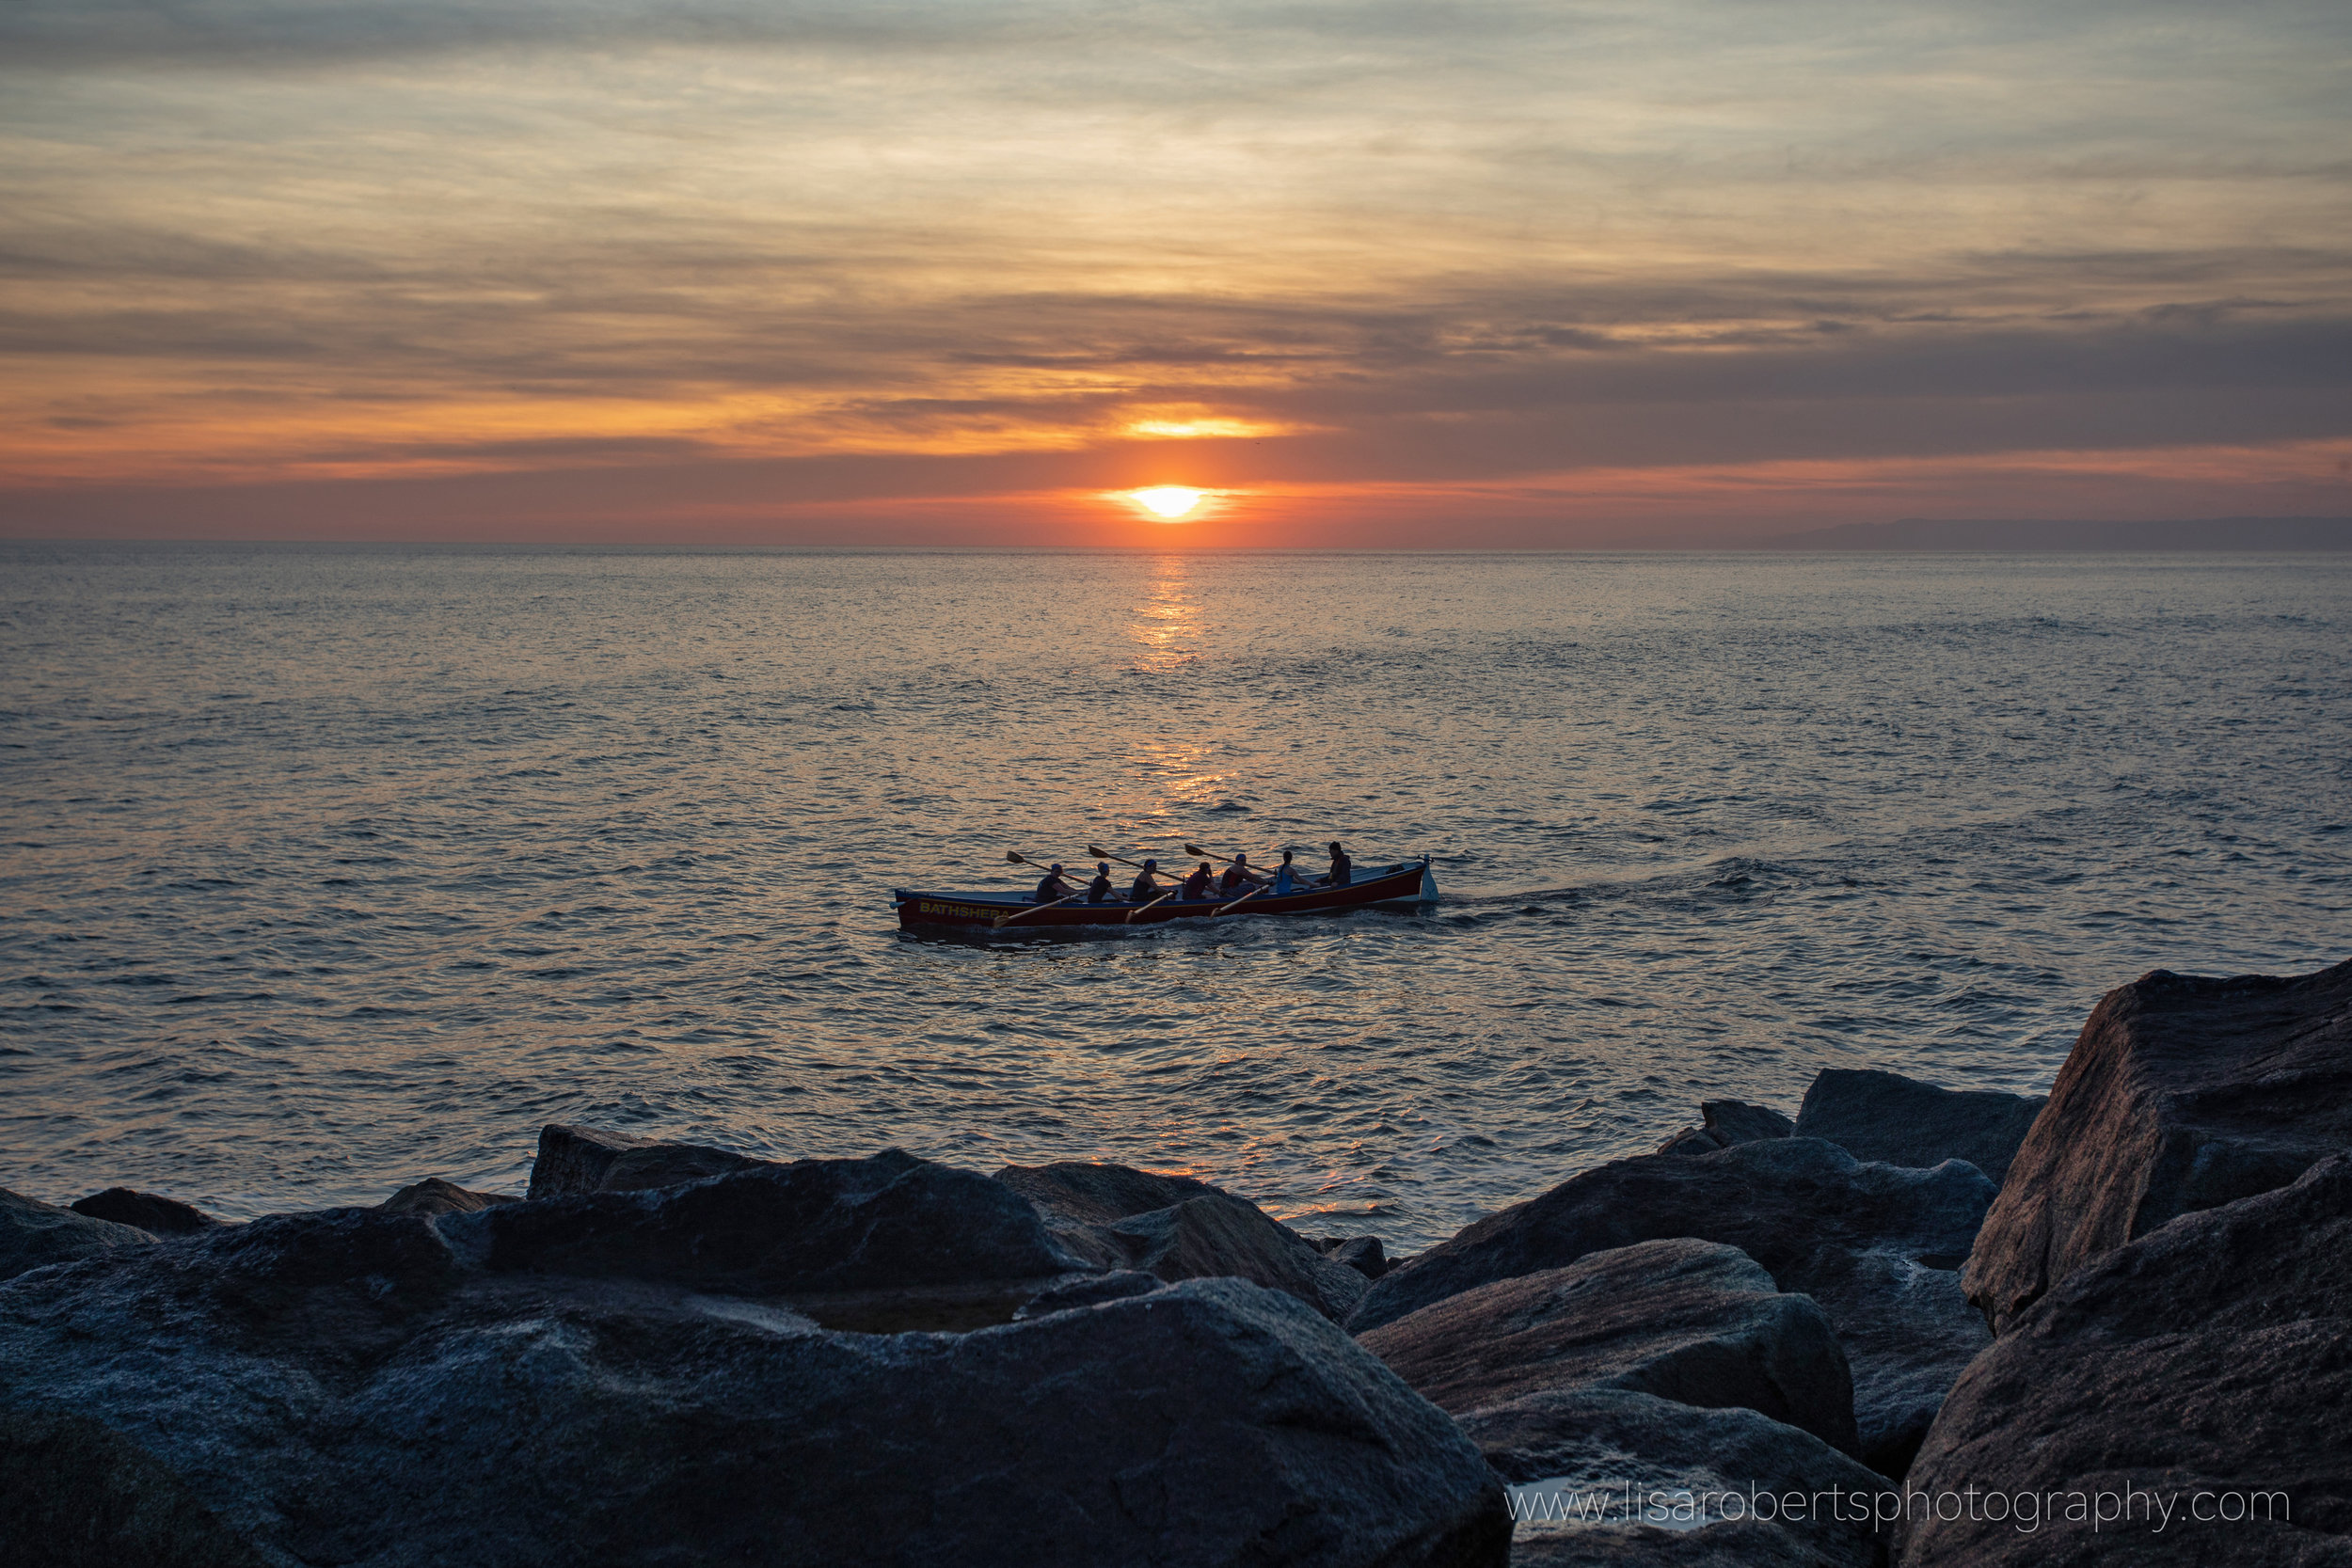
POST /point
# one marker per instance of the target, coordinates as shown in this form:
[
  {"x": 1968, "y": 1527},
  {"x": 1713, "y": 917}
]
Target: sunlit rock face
[
  {"x": 1693, "y": 1321},
  {"x": 2182, "y": 1093},
  {"x": 2209, "y": 1357}
]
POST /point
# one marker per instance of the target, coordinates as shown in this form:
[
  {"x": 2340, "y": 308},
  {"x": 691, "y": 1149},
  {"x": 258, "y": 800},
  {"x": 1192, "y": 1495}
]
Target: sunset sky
[{"x": 961, "y": 272}]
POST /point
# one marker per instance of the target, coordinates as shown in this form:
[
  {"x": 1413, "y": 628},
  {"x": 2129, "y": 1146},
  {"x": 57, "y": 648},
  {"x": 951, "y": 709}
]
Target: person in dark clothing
[
  {"x": 1051, "y": 888},
  {"x": 1147, "y": 884},
  {"x": 1197, "y": 885},
  {"x": 1099, "y": 890},
  {"x": 1238, "y": 878},
  {"x": 1342, "y": 869}
]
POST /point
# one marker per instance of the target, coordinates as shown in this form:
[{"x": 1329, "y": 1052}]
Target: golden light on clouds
[{"x": 1167, "y": 503}]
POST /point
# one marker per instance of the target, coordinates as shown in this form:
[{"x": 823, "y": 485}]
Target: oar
[
  {"x": 1240, "y": 901},
  {"x": 1101, "y": 854},
  {"x": 1155, "y": 903},
  {"x": 1006, "y": 919}
]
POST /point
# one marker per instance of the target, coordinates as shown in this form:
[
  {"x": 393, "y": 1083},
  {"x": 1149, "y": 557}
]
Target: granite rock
[
  {"x": 33, "y": 1233},
  {"x": 1722, "y": 1477},
  {"x": 434, "y": 1196},
  {"x": 365, "y": 1387},
  {"x": 1178, "y": 1227},
  {"x": 1695, "y": 1321},
  {"x": 2181, "y": 1094},
  {"x": 156, "y": 1215},
  {"x": 2212, "y": 1355},
  {"x": 890, "y": 1222},
  {"x": 1896, "y": 1120},
  {"x": 1806, "y": 1209}
]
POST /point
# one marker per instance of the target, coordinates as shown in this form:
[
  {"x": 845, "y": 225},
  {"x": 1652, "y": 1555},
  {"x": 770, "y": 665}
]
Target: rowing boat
[{"x": 1406, "y": 883}]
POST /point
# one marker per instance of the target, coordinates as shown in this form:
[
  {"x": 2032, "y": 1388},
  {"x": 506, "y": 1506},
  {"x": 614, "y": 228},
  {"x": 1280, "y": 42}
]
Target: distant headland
[{"x": 1962, "y": 533}]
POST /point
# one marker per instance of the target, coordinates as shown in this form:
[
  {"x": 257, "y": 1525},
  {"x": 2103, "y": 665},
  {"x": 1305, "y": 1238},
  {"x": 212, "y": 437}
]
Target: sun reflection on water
[{"x": 1168, "y": 622}]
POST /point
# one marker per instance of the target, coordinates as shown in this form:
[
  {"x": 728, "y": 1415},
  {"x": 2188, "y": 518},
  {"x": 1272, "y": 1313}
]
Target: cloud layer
[{"x": 821, "y": 257}]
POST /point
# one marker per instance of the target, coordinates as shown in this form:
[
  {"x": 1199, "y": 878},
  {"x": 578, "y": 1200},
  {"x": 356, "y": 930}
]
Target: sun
[{"x": 1168, "y": 501}]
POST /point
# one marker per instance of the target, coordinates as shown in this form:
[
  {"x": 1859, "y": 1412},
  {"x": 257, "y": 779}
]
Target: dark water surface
[{"x": 326, "y": 869}]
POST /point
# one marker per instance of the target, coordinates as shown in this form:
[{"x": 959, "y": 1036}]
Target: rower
[
  {"x": 1237, "y": 876},
  {"x": 1099, "y": 890},
  {"x": 1145, "y": 886},
  {"x": 1051, "y": 889},
  {"x": 1285, "y": 877},
  {"x": 1197, "y": 885},
  {"x": 1342, "y": 869}
]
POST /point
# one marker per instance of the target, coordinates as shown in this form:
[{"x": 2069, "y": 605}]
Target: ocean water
[{"x": 326, "y": 869}]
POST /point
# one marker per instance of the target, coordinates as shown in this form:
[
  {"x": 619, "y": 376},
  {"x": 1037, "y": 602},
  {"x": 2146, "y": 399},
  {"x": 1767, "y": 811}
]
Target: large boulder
[
  {"x": 2181, "y": 1094},
  {"x": 1177, "y": 1227},
  {"x": 816, "y": 1226},
  {"x": 1693, "y": 1321},
  {"x": 33, "y": 1233},
  {"x": 1807, "y": 1210},
  {"x": 156, "y": 1215},
  {"x": 2211, "y": 1356},
  {"x": 1608, "y": 1476},
  {"x": 574, "y": 1159},
  {"x": 359, "y": 1387},
  {"x": 1901, "y": 1121}
]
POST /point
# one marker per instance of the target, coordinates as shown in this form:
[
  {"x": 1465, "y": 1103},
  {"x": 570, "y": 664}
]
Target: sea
[{"x": 325, "y": 869}]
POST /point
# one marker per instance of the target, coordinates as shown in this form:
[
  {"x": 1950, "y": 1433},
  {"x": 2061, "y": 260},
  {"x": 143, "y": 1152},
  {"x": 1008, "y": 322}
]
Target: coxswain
[
  {"x": 1342, "y": 869},
  {"x": 1145, "y": 886},
  {"x": 1238, "y": 876},
  {"x": 1099, "y": 890},
  {"x": 1052, "y": 888},
  {"x": 1197, "y": 885}
]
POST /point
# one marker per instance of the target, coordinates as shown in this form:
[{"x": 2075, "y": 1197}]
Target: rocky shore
[{"x": 1838, "y": 1337}]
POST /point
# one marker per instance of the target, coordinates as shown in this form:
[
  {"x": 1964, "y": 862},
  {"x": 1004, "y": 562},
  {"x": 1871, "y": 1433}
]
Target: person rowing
[
  {"x": 1238, "y": 878},
  {"x": 1051, "y": 889},
  {"x": 1197, "y": 885},
  {"x": 1286, "y": 878},
  {"x": 1100, "y": 890},
  {"x": 1342, "y": 869},
  {"x": 1145, "y": 886}
]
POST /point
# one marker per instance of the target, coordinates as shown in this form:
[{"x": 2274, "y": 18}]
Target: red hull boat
[{"x": 1406, "y": 883}]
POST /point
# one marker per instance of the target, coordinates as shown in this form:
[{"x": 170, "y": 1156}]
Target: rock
[
  {"x": 1176, "y": 1227},
  {"x": 584, "y": 1160},
  {"x": 1804, "y": 1209},
  {"x": 33, "y": 1233},
  {"x": 1721, "y": 1477},
  {"x": 1728, "y": 1122},
  {"x": 1364, "y": 1254},
  {"x": 1909, "y": 1330},
  {"x": 671, "y": 1165},
  {"x": 889, "y": 1222},
  {"x": 1734, "y": 1121},
  {"x": 1100, "y": 1194},
  {"x": 574, "y": 1159},
  {"x": 1901, "y": 1121},
  {"x": 74, "y": 1494},
  {"x": 348, "y": 1386},
  {"x": 434, "y": 1196},
  {"x": 1690, "y": 1140},
  {"x": 2181, "y": 1094},
  {"x": 1221, "y": 1236},
  {"x": 1695, "y": 1321},
  {"x": 2213, "y": 1355},
  {"x": 1087, "y": 1291},
  {"x": 157, "y": 1217}
]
